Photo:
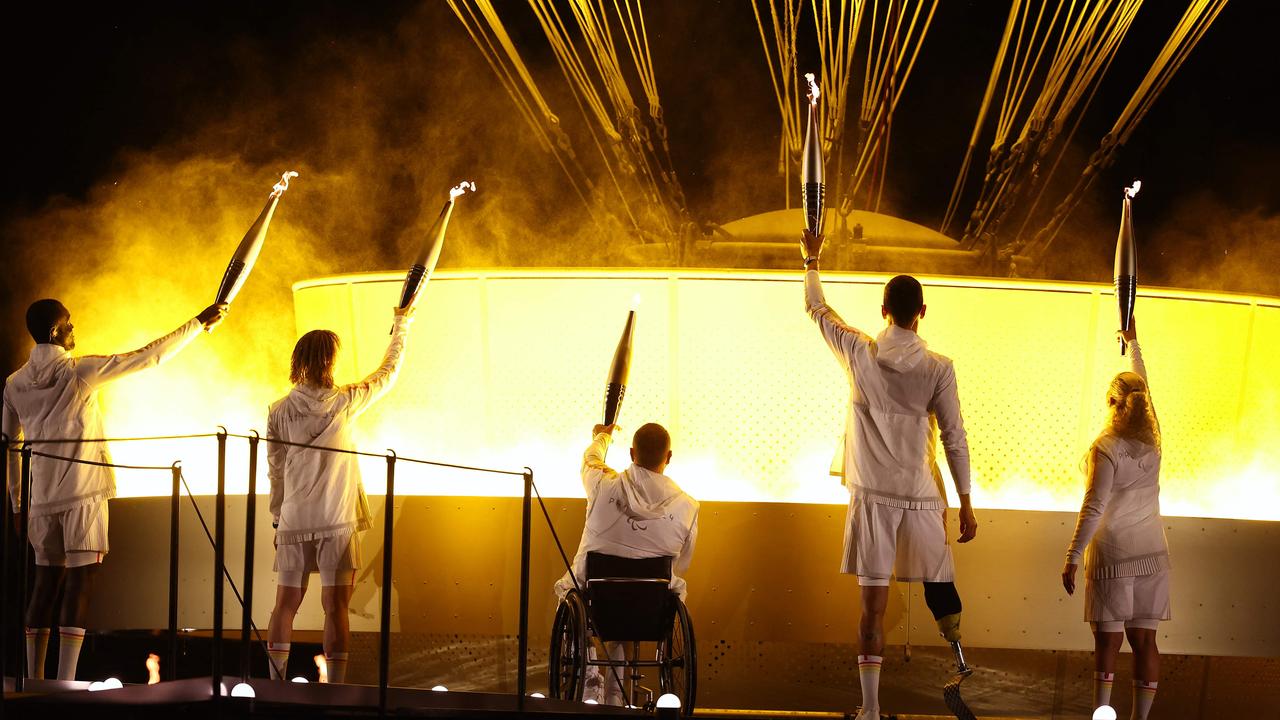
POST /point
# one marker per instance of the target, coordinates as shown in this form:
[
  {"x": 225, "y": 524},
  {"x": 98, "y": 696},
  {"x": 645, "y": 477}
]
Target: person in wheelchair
[{"x": 636, "y": 513}]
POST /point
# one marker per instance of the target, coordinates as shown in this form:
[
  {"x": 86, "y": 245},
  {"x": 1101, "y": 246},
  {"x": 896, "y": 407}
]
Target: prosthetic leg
[{"x": 944, "y": 603}]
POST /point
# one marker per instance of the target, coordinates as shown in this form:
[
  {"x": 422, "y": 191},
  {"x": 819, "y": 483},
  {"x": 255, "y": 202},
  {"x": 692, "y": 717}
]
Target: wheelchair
[{"x": 627, "y": 601}]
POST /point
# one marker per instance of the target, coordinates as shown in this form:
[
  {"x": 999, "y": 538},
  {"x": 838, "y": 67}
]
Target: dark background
[{"x": 395, "y": 91}]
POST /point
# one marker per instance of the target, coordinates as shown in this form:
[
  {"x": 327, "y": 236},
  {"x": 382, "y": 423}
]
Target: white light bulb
[
  {"x": 1106, "y": 712},
  {"x": 95, "y": 686},
  {"x": 669, "y": 701},
  {"x": 300, "y": 679},
  {"x": 537, "y": 695},
  {"x": 589, "y": 701},
  {"x": 112, "y": 684},
  {"x": 440, "y": 688},
  {"x": 244, "y": 690}
]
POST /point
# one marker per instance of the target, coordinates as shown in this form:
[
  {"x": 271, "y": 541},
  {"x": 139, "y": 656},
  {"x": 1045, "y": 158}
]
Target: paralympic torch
[
  {"x": 247, "y": 252},
  {"x": 615, "y": 386},
  {"x": 1126, "y": 269},
  {"x": 420, "y": 272},
  {"x": 811, "y": 165}
]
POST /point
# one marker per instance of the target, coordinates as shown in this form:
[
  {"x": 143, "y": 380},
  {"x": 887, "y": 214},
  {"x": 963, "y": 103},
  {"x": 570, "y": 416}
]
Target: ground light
[
  {"x": 243, "y": 690},
  {"x": 1106, "y": 712}
]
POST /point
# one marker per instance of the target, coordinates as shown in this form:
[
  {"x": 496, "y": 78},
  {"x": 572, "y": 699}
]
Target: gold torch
[
  {"x": 247, "y": 252},
  {"x": 1126, "y": 270},
  {"x": 814, "y": 185},
  {"x": 615, "y": 385},
  {"x": 420, "y": 272}
]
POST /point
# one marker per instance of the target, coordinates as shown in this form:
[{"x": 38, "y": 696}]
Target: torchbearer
[
  {"x": 55, "y": 395},
  {"x": 251, "y": 245},
  {"x": 903, "y": 396},
  {"x": 812, "y": 167},
  {"x": 1126, "y": 270},
  {"x": 425, "y": 264},
  {"x": 1120, "y": 536},
  {"x": 318, "y": 503}
]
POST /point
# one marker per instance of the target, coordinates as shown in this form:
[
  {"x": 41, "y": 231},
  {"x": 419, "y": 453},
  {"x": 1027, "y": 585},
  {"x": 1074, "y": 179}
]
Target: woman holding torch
[
  {"x": 318, "y": 504},
  {"x": 1120, "y": 536}
]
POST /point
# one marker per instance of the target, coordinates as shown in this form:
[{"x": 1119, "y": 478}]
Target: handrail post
[
  {"x": 171, "y": 671},
  {"x": 384, "y": 629},
  {"x": 522, "y": 678},
  {"x": 250, "y": 528},
  {"x": 24, "y": 550},
  {"x": 219, "y": 558}
]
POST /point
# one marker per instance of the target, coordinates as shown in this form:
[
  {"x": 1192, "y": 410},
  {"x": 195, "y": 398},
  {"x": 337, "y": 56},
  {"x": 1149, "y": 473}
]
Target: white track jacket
[
  {"x": 55, "y": 395},
  {"x": 315, "y": 493},
  {"x": 637, "y": 513},
  {"x": 901, "y": 395},
  {"x": 1119, "y": 532}
]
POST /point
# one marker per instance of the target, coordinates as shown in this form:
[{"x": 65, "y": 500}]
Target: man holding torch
[
  {"x": 53, "y": 396},
  {"x": 902, "y": 396}
]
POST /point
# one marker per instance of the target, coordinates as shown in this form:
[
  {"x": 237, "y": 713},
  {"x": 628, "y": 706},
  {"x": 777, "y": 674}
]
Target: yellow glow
[{"x": 504, "y": 369}]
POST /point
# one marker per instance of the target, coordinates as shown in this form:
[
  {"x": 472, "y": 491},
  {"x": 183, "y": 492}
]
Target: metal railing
[{"x": 217, "y": 538}]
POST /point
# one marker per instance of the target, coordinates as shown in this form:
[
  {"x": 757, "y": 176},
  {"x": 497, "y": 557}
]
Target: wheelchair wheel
[
  {"x": 679, "y": 672},
  {"x": 567, "y": 662}
]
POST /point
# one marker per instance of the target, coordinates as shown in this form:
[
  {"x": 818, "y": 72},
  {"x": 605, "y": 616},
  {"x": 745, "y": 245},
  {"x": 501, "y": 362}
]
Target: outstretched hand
[
  {"x": 1069, "y": 578},
  {"x": 606, "y": 429},
  {"x": 212, "y": 315},
  {"x": 811, "y": 245}
]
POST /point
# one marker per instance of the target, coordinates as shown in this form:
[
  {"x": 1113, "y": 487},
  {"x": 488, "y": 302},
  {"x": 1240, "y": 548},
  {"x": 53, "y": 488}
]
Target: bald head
[{"x": 651, "y": 447}]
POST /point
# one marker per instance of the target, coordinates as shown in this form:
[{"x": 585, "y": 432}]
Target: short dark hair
[
  {"x": 903, "y": 298},
  {"x": 43, "y": 316},
  {"x": 651, "y": 443}
]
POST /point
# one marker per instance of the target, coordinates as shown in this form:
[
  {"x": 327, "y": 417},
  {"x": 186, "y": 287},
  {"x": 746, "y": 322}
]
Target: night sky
[{"x": 90, "y": 85}]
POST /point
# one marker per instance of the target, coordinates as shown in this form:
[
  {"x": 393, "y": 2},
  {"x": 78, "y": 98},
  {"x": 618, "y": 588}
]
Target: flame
[
  {"x": 461, "y": 189},
  {"x": 635, "y": 301},
  {"x": 322, "y": 666},
  {"x": 278, "y": 189},
  {"x": 153, "y": 669},
  {"x": 814, "y": 92},
  {"x": 1133, "y": 189}
]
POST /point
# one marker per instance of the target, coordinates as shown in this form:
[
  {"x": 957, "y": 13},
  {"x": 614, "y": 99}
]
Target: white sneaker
[{"x": 868, "y": 714}]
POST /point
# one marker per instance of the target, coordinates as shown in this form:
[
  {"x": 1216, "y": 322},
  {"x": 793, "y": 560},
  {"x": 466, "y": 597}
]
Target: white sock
[
  {"x": 278, "y": 659},
  {"x": 869, "y": 676},
  {"x": 1144, "y": 693},
  {"x": 69, "y": 641},
  {"x": 1102, "y": 682},
  {"x": 37, "y": 650},
  {"x": 337, "y": 663}
]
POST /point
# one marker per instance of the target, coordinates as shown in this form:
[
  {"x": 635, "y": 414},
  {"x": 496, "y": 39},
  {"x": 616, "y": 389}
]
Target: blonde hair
[
  {"x": 313, "y": 359},
  {"x": 1132, "y": 414}
]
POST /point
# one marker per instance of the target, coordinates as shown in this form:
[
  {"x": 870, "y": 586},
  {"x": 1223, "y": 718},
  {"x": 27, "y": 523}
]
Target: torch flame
[
  {"x": 278, "y": 189},
  {"x": 461, "y": 189},
  {"x": 635, "y": 301},
  {"x": 153, "y": 669},
  {"x": 322, "y": 667},
  {"x": 1133, "y": 189},
  {"x": 813, "y": 88}
]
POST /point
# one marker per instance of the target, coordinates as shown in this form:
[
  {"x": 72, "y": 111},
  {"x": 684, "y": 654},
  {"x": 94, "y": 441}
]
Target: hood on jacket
[
  {"x": 307, "y": 400},
  {"x": 42, "y": 369},
  {"x": 648, "y": 493},
  {"x": 899, "y": 349}
]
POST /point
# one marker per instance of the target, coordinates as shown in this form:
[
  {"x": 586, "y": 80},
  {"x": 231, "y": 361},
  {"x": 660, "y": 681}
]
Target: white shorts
[
  {"x": 336, "y": 559},
  {"x": 71, "y": 538},
  {"x": 1113, "y": 604},
  {"x": 881, "y": 541}
]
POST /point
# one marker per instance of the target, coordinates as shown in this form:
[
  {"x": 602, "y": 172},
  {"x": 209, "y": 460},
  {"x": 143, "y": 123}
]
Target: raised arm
[
  {"x": 1136, "y": 364},
  {"x": 95, "y": 370},
  {"x": 594, "y": 469},
  {"x": 12, "y": 433},
  {"x": 368, "y": 391},
  {"x": 840, "y": 337}
]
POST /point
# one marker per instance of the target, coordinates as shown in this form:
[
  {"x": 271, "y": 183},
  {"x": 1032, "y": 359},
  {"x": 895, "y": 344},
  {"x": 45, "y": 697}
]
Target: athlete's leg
[
  {"x": 1107, "y": 639},
  {"x": 39, "y": 617},
  {"x": 875, "y": 598},
  {"x": 336, "y": 602},
  {"x": 1146, "y": 669},
  {"x": 280, "y": 628}
]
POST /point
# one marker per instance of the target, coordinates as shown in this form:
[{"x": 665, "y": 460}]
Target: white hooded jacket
[
  {"x": 55, "y": 396},
  {"x": 637, "y": 513},
  {"x": 901, "y": 395},
  {"x": 315, "y": 493}
]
